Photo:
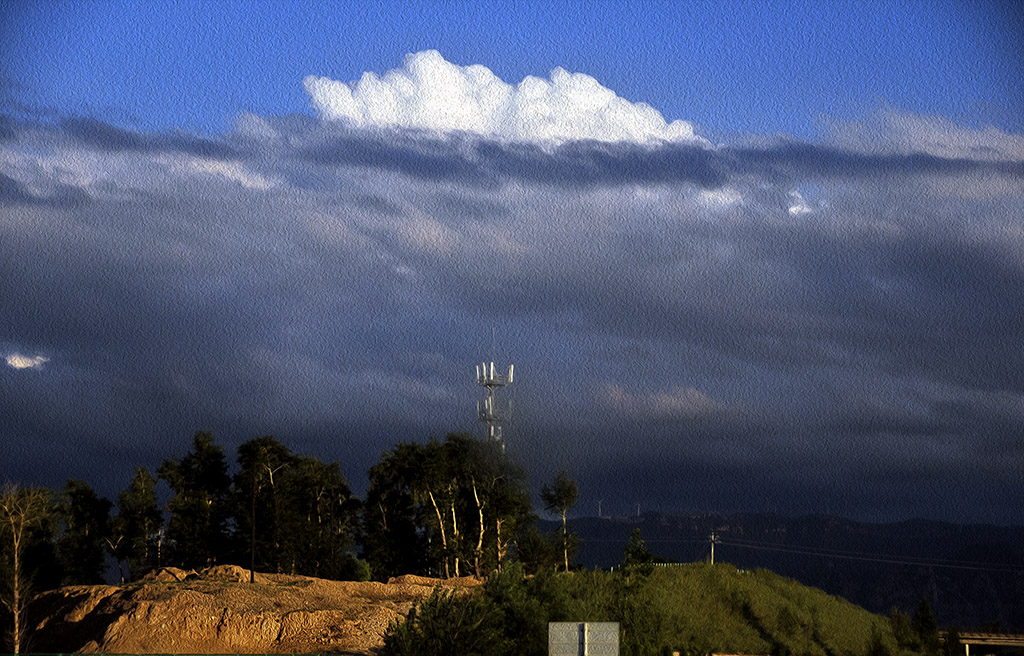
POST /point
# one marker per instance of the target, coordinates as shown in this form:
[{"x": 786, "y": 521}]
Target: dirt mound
[{"x": 217, "y": 610}]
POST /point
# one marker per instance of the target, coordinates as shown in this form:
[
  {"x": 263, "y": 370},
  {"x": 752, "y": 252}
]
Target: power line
[
  {"x": 877, "y": 558},
  {"x": 891, "y": 559},
  {"x": 838, "y": 552}
]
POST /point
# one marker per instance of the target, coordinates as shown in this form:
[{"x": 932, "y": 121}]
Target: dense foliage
[
  {"x": 689, "y": 609},
  {"x": 446, "y": 508}
]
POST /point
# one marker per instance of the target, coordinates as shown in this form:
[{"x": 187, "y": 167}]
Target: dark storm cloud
[
  {"x": 428, "y": 159},
  {"x": 8, "y": 127},
  {"x": 474, "y": 160},
  {"x": 787, "y": 316},
  {"x": 793, "y": 158},
  {"x": 13, "y": 193},
  {"x": 97, "y": 134},
  {"x": 591, "y": 163}
]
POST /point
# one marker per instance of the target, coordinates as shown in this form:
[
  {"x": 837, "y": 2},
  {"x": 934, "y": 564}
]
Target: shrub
[{"x": 447, "y": 624}]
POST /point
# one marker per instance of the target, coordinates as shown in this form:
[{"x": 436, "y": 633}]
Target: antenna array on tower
[{"x": 488, "y": 409}]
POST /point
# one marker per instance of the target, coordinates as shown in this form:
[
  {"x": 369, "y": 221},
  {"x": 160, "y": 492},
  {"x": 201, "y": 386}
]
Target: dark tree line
[
  {"x": 451, "y": 507},
  {"x": 447, "y": 508}
]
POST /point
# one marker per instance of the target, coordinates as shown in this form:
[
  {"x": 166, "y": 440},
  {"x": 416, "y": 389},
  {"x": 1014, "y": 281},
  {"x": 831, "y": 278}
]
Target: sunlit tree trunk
[
  {"x": 565, "y": 540},
  {"x": 20, "y": 510},
  {"x": 478, "y": 552},
  {"x": 499, "y": 549},
  {"x": 444, "y": 539},
  {"x": 455, "y": 537}
]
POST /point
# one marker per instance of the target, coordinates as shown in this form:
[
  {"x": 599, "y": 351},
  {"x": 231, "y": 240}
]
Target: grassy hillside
[
  {"x": 702, "y": 608},
  {"x": 692, "y": 609}
]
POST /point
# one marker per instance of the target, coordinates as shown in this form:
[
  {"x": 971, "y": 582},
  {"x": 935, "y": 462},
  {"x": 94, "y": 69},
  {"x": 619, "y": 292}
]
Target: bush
[
  {"x": 447, "y": 624},
  {"x": 693, "y": 609},
  {"x": 353, "y": 569}
]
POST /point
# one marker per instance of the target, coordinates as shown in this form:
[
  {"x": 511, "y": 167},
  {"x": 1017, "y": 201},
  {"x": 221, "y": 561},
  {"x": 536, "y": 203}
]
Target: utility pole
[{"x": 713, "y": 539}]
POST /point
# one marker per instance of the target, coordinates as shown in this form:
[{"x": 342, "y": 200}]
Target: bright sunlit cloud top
[
  {"x": 19, "y": 361},
  {"x": 428, "y": 92}
]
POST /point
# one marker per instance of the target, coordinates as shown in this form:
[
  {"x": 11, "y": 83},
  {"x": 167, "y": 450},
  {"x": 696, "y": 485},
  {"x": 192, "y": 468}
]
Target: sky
[{"x": 744, "y": 257}]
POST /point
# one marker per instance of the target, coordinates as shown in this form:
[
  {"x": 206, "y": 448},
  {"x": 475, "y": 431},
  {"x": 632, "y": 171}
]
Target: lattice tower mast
[{"x": 488, "y": 409}]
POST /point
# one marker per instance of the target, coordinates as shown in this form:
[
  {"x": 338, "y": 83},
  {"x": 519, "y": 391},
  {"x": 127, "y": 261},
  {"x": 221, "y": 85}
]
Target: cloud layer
[
  {"x": 770, "y": 324},
  {"x": 431, "y": 93}
]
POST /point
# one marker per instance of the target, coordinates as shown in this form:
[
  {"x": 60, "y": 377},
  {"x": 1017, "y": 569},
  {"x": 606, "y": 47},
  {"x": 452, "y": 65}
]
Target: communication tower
[{"x": 488, "y": 409}]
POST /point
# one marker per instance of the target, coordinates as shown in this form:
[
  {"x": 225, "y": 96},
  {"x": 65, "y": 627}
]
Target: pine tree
[
  {"x": 199, "y": 509},
  {"x": 86, "y": 524}
]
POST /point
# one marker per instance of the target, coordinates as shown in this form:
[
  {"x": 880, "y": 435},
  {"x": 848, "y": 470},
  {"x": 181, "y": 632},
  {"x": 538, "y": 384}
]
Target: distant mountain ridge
[{"x": 972, "y": 574}]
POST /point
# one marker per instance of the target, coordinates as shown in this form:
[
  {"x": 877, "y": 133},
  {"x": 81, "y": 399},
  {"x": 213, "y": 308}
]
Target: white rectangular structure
[{"x": 583, "y": 639}]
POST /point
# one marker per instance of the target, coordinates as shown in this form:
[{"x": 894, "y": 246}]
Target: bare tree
[{"x": 21, "y": 510}]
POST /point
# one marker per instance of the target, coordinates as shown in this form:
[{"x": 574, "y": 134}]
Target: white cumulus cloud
[
  {"x": 431, "y": 93},
  {"x": 19, "y": 361}
]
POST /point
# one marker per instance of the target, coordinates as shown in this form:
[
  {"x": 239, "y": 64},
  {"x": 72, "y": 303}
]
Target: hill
[
  {"x": 694, "y": 609},
  {"x": 219, "y": 611},
  {"x": 972, "y": 574},
  {"x": 703, "y": 609}
]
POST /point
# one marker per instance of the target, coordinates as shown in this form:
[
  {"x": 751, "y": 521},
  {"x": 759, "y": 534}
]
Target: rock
[
  {"x": 218, "y": 611},
  {"x": 227, "y": 573},
  {"x": 170, "y": 574}
]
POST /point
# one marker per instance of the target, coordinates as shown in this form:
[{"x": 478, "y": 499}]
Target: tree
[
  {"x": 321, "y": 520},
  {"x": 136, "y": 528},
  {"x": 510, "y": 509},
  {"x": 21, "y": 511},
  {"x": 492, "y": 494},
  {"x": 536, "y": 551},
  {"x": 926, "y": 628},
  {"x": 436, "y": 481},
  {"x": 637, "y": 555},
  {"x": 952, "y": 646},
  {"x": 394, "y": 541},
  {"x": 199, "y": 509},
  {"x": 558, "y": 499},
  {"x": 452, "y": 502},
  {"x": 428, "y": 474},
  {"x": 876, "y": 645},
  {"x": 86, "y": 524},
  {"x": 262, "y": 461}
]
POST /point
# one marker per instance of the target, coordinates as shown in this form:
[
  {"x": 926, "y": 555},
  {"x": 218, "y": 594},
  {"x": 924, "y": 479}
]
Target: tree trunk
[
  {"x": 499, "y": 550},
  {"x": 455, "y": 538},
  {"x": 444, "y": 540},
  {"x": 16, "y": 608},
  {"x": 565, "y": 540},
  {"x": 252, "y": 540},
  {"x": 479, "y": 551},
  {"x": 21, "y": 509}
]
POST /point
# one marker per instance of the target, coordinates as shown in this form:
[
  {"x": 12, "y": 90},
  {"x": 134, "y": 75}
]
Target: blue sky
[
  {"x": 730, "y": 67},
  {"x": 744, "y": 257}
]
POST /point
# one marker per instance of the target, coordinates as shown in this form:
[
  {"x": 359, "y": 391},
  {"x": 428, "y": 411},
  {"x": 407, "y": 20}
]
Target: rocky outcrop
[{"x": 217, "y": 610}]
